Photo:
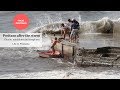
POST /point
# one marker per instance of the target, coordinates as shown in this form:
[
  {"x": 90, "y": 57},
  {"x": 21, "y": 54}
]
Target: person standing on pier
[
  {"x": 64, "y": 31},
  {"x": 74, "y": 31},
  {"x": 69, "y": 23},
  {"x": 53, "y": 45}
]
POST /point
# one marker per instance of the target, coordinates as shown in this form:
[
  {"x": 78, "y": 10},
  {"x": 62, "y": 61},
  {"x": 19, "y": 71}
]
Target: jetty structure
[
  {"x": 66, "y": 48},
  {"x": 101, "y": 56}
]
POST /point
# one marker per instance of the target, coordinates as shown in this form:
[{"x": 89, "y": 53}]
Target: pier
[
  {"x": 101, "y": 56},
  {"x": 66, "y": 48}
]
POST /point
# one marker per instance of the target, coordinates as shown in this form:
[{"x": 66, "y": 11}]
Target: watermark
[
  {"x": 21, "y": 21},
  {"x": 20, "y": 39}
]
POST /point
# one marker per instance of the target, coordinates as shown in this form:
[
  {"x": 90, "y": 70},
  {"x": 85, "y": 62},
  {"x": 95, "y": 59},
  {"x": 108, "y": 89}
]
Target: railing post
[
  {"x": 74, "y": 54},
  {"x": 62, "y": 51}
]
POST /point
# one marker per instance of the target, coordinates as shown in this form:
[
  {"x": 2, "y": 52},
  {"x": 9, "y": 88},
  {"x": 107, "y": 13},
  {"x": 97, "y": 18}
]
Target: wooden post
[
  {"x": 73, "y": 54},
  {"x": 62, "y": 51},
  {"x": 54, "y": 34}
]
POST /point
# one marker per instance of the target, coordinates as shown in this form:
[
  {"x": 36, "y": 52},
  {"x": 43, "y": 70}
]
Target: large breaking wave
[{"x": 104, "y": 25}]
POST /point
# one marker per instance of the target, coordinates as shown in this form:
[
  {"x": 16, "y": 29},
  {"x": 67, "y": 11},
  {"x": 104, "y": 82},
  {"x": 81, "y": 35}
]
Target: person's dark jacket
[{"x": 75, "y": 25}]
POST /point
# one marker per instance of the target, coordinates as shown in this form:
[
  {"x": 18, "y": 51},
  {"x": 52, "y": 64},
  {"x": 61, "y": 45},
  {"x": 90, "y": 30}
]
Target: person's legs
[
  {"x": 71, "y": 35},
  {"x": 61, "y": 32},
  {"x": 68, "y": 34},
  {"x": 53, "y": 50},
  {"x": 76, "y": 35},
  {"x": 64, "y": 34}
]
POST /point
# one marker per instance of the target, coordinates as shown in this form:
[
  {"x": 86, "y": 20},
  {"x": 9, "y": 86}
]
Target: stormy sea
[{"x": 98, "y": 29}]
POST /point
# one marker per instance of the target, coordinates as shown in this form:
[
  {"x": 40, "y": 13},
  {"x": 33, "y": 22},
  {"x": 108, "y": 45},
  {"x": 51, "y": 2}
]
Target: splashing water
[{"x": 50, "y": 20}]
